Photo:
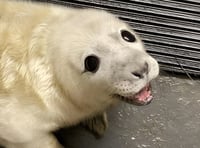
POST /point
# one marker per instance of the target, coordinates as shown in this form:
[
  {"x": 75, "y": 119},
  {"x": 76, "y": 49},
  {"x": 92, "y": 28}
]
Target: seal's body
[{"x": 59, "y": 66}]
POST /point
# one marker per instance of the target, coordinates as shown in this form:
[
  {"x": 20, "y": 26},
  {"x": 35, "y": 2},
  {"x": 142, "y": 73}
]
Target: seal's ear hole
[
  {"x": 92, "y": 63},
  {"x": 128, "y": 36}
]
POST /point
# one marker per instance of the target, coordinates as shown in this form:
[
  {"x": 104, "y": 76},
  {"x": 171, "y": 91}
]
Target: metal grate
[{"x": 170, "y": 29}]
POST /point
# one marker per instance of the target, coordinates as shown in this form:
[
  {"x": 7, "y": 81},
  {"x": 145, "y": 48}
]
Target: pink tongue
[{"x": 144, "y": 94}]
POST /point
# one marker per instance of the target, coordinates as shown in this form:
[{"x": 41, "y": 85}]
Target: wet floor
[{"x": 172, "y": 120}]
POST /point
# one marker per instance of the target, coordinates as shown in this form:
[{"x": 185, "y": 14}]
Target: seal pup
[{"x": 60, "y": 66}]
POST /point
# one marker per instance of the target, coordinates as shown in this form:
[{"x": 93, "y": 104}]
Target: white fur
[{"x": 43, "y": 85}]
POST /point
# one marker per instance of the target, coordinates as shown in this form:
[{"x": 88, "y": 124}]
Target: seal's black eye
[
  {"x": 128, "y": 36},
  {"x": 92, "y": 63}
]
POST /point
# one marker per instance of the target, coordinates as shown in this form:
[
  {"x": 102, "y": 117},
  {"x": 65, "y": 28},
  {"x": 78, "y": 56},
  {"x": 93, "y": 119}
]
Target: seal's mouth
[{"x": 143, "y": 97}]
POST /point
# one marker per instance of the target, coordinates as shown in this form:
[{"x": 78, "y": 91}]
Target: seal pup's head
[{"x": 99, "y": 59}]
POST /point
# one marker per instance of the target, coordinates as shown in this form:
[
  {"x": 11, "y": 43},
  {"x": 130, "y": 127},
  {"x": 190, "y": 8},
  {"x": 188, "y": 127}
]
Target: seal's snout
[{"x": 143, "y": 97}]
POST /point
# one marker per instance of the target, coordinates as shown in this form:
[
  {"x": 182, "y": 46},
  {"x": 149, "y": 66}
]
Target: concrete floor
[{"x": 172, "y": 120}]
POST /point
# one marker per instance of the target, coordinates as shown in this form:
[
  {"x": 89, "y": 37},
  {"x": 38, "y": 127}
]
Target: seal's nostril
[
  {"x": 146, "y": 68},
  {"x": 138, "y": 74},
  {"x": 142, "y": 72}
]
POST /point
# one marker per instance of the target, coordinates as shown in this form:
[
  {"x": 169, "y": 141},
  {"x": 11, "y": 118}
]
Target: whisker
[{"x": 188, "y": 75}]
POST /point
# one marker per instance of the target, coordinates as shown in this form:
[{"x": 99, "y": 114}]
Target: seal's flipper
[{"x": 97, "y": 125}]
